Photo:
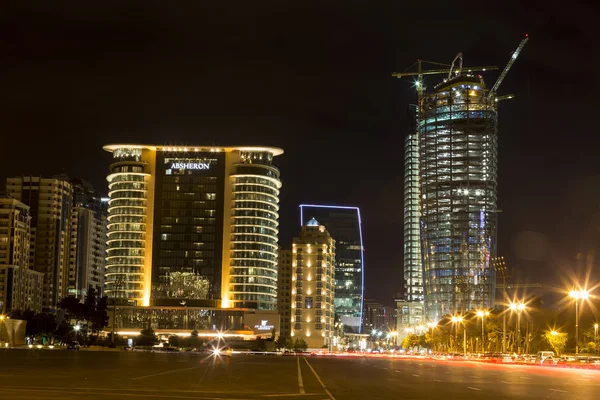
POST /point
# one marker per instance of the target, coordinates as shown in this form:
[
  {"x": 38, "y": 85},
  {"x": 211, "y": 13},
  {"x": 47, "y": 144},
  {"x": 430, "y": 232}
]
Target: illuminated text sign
[
  {"x": 263, "y": 326},
  {"x": 190, "y": 165}
]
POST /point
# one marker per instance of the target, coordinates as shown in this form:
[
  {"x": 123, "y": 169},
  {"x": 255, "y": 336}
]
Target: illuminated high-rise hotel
[{"x": 194, "y": 226}]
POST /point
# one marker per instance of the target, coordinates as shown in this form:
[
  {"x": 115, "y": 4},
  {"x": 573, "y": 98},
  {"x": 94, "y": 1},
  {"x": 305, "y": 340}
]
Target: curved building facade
[
  {"x": 458, "y": 169},
  {"x": 127, "y": 211},
  {"x": 193, "y": 225},
  {"x": 254, "y": 231}
]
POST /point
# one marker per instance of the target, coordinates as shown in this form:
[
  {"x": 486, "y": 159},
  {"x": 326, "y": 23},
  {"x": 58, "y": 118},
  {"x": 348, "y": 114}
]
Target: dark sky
[{"x": 314, "y": 79}]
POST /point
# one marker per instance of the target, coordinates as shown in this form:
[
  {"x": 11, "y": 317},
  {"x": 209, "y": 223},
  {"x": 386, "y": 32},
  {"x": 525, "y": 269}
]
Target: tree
[
  {"x": 147, "y": 337},
  {"x": 175, "y": 341},
  {"x": 89, "y": 304},
  {"x": 194, "y": 340},
  {"x": 41, "y": 325},
  {"x": 72, "y": 307},
  {"x": 411, "y": 341},
  {"x": 283, "y": 342},
  {"x": 99, "y": 318},
  {"x": 65, "y": 332},
  {"x": 26, "y": 315},
  {"x": 556, "y": 340},
  {"x": 300, "y": 345}
]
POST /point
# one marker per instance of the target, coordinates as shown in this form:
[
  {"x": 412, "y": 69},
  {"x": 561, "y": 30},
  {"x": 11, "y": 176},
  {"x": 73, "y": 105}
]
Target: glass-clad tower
[
  {"x": 457, "y": 134},
  {"x": 345, "y": 226}
]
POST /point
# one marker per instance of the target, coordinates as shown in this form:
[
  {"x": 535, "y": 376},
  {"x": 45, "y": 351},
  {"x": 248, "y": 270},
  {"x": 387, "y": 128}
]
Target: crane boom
[
  {"x": 512, "y": 60},
  {"x": 444, "y": 71}
]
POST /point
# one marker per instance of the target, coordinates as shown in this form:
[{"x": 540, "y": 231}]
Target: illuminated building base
[{"x": 208, "y": 322}]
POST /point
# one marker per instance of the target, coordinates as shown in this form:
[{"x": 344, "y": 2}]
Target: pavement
[{"x": 36, "y": 374}]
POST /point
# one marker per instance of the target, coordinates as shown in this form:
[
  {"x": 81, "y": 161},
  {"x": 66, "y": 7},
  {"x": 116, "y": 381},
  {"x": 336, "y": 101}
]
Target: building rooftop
[{"x": 276, "y": 151}]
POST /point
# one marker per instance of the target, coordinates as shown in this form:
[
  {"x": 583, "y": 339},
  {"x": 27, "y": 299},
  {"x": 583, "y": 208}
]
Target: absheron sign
[{"x": 198, "y": 165}]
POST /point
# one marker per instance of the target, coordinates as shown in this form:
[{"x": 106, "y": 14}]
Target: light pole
[
  {"x": 117, "y": 286},
  {"x": 456, "y": 320},
  {"x": 596, "y": 338},
  {"x": 501, "y": 267},
  {"x": 577, "y": 294},
  {"x": 432, "y": 325},
  {"x": 518, "y": 307},
  {"x": 482, "y": 314}
]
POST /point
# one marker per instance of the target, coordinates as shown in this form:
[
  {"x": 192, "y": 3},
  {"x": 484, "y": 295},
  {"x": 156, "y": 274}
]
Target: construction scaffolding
[{"x": 456, "y": 189}]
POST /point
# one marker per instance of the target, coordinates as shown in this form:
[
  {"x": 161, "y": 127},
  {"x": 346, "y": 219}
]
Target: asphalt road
[{"x": 37, "y": 374}]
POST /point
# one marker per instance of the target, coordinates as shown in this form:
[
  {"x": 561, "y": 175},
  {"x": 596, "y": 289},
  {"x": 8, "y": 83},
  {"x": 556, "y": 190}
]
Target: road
[{"x": 61, "y": 374}]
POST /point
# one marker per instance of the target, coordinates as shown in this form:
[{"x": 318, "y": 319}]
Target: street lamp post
[
  {"x": 577, "y": 294},
  {"x": 432, "y": 326},
  {"x": 518, "y": 307},
  {"x": 117, "y": 286},
  {"x": 456, "y": 320},
  {"x": 482, "y": 314},
  {"x": 596, "y": 338}
]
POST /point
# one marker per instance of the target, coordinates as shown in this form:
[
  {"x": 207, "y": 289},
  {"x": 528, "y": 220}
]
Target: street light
[
  {"x": 596, "y": 338},
  {"x": 518, "y": 307},
  {"x": 482, "y": 314},
  {"x": 432, "y": 325},
  {"x": 577, "y": 294},
  {"x": 456, "y": 320},
  {"x": 117, "y": 286}
]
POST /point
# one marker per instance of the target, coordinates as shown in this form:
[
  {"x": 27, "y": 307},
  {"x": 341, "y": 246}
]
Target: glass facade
[
  {"x": 127, "y": 209},
  {"x": 254, "y": 232},
  {"x": 458, "y": 168},
  {"x": 413, "y": 269},
  {"x": 188, "y": 318},
  {"x": 188, "y": 228},
  {"x": 344, "y": 225}
]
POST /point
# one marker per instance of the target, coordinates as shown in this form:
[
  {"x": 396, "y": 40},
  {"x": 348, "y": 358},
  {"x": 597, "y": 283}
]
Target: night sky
[{"x": 315, "y": 79}]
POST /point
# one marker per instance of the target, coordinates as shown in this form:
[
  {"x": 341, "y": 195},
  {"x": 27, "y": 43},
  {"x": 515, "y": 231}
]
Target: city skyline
[{"x": 329, "y": 98}]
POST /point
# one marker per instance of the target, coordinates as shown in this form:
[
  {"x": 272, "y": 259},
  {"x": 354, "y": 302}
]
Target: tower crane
[
  {"x": 439, "y": 71},
  {"x": 512, "y": 60},
  {"x": 450, "y": 70}
]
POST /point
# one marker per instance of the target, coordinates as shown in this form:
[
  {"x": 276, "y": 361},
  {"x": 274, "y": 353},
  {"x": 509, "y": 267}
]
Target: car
[
  {"x": 74, "y": 345},
  {"x": 546, "y": 357}
]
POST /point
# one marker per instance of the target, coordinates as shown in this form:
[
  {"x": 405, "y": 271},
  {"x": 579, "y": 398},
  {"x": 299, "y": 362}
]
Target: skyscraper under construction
[
  {"x": 458, "y": 169},
  {"x": 451, "y": 202}
]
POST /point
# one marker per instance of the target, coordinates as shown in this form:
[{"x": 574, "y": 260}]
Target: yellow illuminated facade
[
  {"x": 193, "y": 225},
  {"x": 313, "y": 274}
]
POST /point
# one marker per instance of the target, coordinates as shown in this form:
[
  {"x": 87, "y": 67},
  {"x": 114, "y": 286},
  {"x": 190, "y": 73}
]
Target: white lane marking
[
  {"x": 164, "y": 373},
  {"x": 398, "y": 370},
  {"x": 473, "y": 376},
  {"x": 525, "y": 377},
  {"x": 558, "y": 390},
  {"x": 447, "y": 372},
  {"x": 436, "y": 380},
  {"x": 472, "y": 388},
  {"x": 582, "y": 379},
  {"x": 300, "y": 383},
  {"x": 319, "y": 379},
  {"x": 415, "y": 375}
]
